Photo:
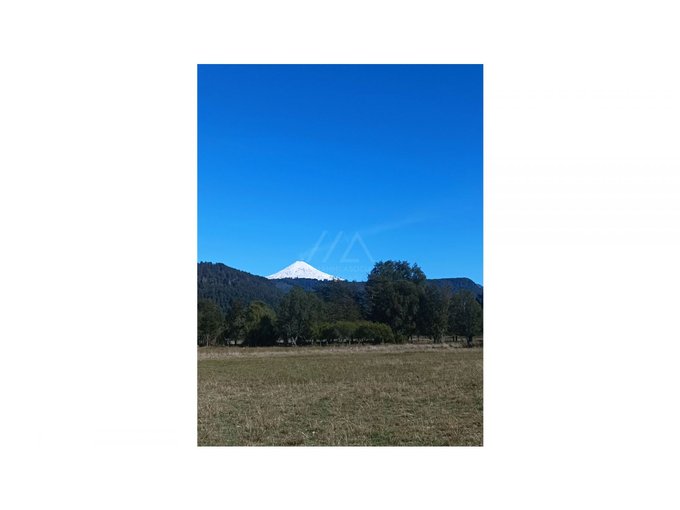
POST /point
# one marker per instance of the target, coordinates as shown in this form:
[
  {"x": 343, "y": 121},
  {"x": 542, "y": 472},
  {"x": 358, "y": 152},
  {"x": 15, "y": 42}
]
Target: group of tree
[{"x": 397, "y": 304}]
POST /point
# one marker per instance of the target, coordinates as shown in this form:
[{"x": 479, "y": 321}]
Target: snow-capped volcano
[{"x": 300, "y": 269}]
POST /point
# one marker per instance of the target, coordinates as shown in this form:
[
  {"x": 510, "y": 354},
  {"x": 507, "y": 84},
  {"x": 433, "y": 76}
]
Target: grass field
[{"x": 370, "y": 395}]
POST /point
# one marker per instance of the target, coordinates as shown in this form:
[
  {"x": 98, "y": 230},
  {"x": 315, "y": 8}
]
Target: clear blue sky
[{"x": 341, "y": 166}]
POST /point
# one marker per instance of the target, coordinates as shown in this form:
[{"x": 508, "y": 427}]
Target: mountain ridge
[{"x": 223, "y": 284}]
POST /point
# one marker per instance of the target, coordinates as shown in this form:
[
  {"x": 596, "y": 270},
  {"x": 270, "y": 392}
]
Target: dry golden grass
[{"x": 361, "y": 395}]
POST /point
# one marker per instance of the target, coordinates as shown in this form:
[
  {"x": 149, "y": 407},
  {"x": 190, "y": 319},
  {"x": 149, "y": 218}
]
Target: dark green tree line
[{"x": 397, "y": 302}]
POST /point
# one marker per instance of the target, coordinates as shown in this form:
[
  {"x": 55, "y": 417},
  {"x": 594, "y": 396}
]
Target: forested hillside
[{"x": 222, "y": 284}]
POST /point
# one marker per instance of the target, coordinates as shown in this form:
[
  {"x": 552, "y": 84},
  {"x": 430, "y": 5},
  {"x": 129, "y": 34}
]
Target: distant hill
[
  {"x": 458, "y": 284},
  {"x": 221, "y": 284}
]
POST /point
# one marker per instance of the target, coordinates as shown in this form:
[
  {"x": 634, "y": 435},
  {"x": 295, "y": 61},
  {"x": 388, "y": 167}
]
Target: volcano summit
[{"x": 300, "y": 269}]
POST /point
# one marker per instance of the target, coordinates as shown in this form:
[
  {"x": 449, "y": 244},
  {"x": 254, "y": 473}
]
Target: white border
[{"x": 98, "y": 198}]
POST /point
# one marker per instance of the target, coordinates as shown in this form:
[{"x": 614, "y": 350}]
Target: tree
[
  {"x": 433, "y": 313},
  {"x": 234, "y": 322},
  {"x": 328, "y": 332},
  {"x": 465, "y": 316},
  {"x": 393, "y": 294},
  {"x": 260, "y": 323},
  {"x": 342, "y": 301},
  {"x": 346, "y": 330},
  {"x": 298, "y": 314},
  {"x": 210, "y": 321},
  {"x": 374, "y": 332}
]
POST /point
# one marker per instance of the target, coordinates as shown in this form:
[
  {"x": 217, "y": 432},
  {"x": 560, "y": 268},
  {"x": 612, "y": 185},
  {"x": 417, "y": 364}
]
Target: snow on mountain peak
[{"x": 300, "y": 269}]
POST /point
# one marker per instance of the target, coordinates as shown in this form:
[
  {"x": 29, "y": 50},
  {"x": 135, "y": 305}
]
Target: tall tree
[
  {"x": 210, "y": 321},
  {"x": 235, "y": 322},
  {"x": 260, "y": 323},
  {"x": 298, "y": 314},
  {"x": 433, "y": 312},
  {"x": 393, "y": 293},
  {"x": 465, "y": 315}
]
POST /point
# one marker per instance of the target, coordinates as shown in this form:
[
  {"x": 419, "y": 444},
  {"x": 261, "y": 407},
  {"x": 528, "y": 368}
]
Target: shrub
[{"x": 374, "y": 332}]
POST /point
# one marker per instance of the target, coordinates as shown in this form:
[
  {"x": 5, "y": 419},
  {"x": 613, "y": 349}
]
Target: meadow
[{"x": 382, "y": 395}]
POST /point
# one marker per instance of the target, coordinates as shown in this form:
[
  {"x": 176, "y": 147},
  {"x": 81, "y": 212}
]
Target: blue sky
[{"x": 341, "y": 166}]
